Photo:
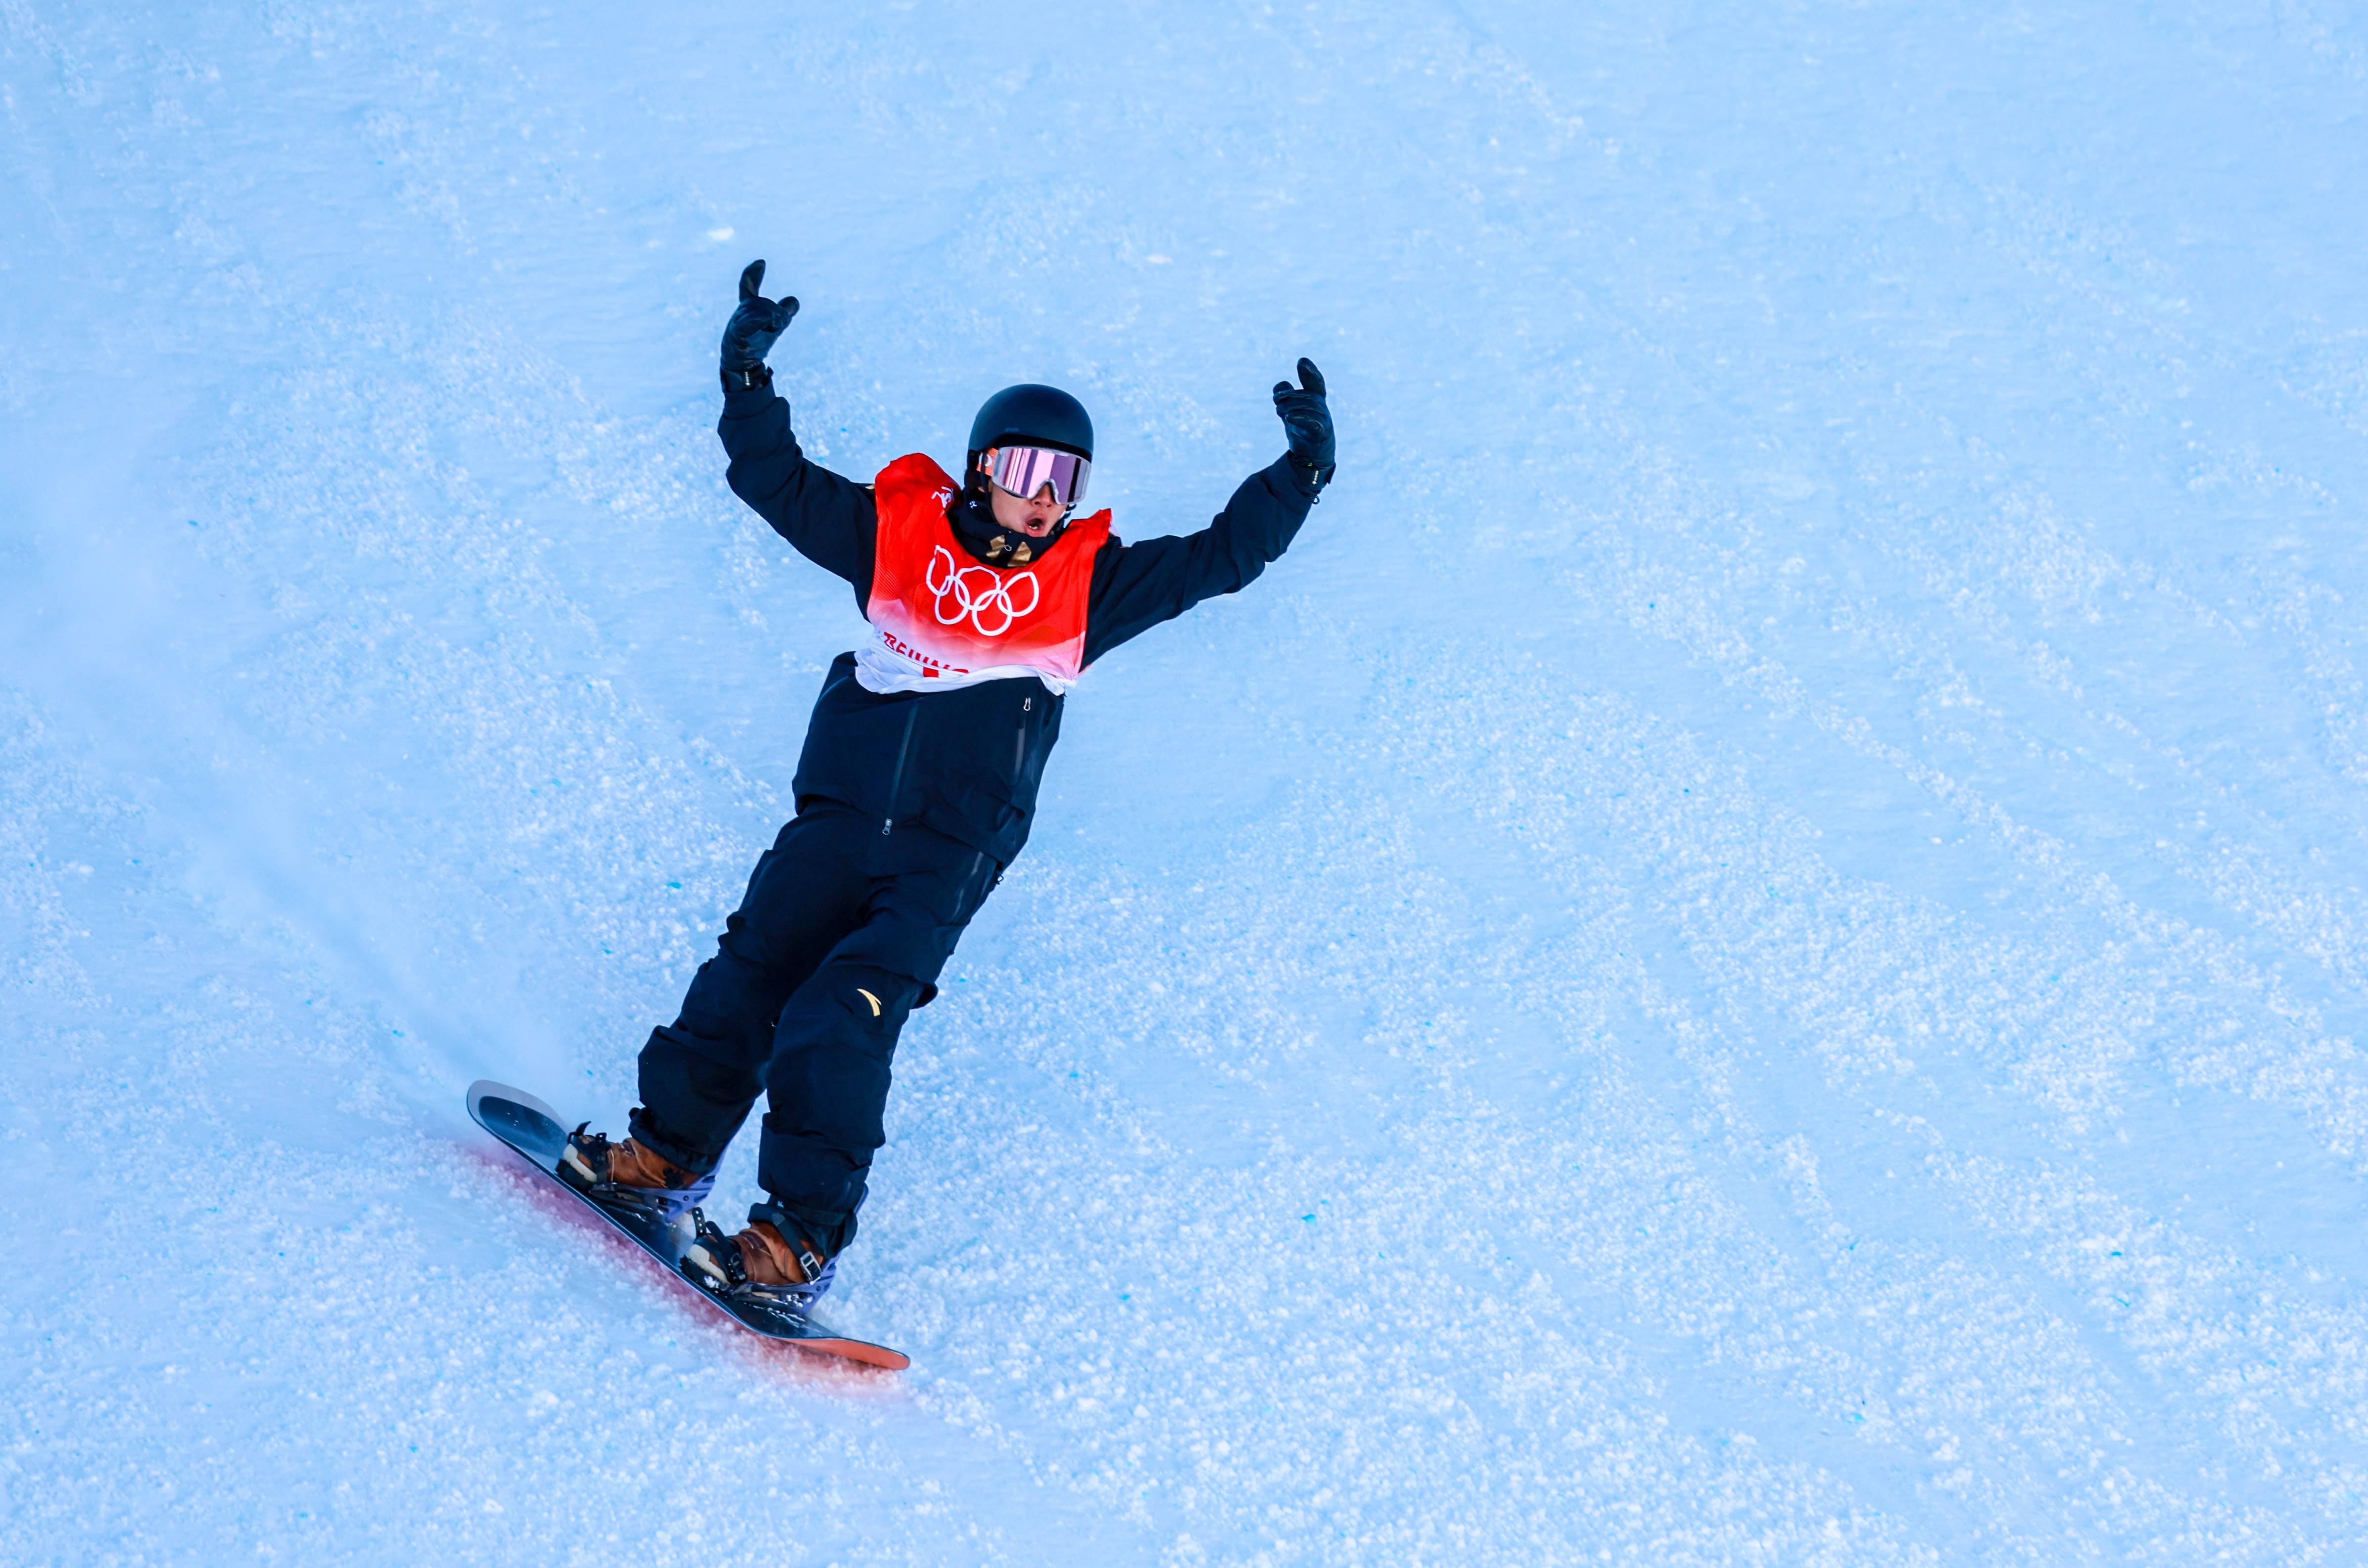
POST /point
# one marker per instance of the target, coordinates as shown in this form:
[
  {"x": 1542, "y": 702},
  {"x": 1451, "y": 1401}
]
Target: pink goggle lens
[{"x": 1024, "y": 471}]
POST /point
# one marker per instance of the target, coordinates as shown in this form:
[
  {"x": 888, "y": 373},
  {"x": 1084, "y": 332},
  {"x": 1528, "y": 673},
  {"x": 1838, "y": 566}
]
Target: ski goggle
[{"x": 1024, "y": 471}]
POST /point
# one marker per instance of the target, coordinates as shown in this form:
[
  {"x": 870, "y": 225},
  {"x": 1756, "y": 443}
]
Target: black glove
[
  {"x": 749, "y": 335},
  {"x": 1307, "y": 419}
]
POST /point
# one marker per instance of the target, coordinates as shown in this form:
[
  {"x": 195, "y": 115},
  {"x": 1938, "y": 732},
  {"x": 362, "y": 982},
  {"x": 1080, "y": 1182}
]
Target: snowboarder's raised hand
[
  {"x": 749, "y": 335},
  {"x": 1307, "y": 419}
]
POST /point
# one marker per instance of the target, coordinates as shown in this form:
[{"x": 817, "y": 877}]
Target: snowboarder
[{"x": 916, "y": 786}]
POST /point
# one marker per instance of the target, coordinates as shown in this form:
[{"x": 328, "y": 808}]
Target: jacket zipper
[
  {"x": 1019, "y": 741},
  {"x": 888, "y": 823}
]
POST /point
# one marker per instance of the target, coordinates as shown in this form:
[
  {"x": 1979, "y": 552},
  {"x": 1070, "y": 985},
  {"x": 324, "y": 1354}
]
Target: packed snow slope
[{"x": 1752, "y": 953}]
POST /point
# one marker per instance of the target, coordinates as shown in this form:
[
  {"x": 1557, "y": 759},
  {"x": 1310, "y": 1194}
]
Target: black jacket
[{"x": 967, "y": 762}]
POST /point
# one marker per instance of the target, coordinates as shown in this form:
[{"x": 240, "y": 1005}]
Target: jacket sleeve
[
  {"x": 829, "y": 517},
  {"x": 1136, "y": 587}
]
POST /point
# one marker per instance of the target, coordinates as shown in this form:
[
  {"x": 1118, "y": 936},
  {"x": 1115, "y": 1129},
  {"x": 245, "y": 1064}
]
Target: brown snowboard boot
[
  {"x": 629, "y": 1174},
  {"x": 762, "y": 1259}
]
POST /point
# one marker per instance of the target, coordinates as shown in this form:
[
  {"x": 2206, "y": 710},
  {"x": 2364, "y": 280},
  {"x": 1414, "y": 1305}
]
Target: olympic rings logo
[{"x": 976, "y": 594}]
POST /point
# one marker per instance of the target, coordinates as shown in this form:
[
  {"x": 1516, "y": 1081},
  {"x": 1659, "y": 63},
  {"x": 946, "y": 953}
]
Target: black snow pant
[{"x": 841, "y": 935}]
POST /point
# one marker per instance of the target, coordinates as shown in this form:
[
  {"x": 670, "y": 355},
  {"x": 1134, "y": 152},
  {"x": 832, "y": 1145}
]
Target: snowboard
[{"x": 533, "y": 1131}]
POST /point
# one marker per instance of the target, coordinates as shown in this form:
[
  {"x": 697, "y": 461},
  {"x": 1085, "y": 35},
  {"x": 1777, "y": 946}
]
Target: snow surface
[{"x": 1751, "y": 953}]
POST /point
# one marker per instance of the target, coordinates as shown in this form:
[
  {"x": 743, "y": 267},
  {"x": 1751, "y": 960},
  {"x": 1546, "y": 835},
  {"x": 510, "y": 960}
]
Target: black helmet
[{"x": 1031, "y": 416}]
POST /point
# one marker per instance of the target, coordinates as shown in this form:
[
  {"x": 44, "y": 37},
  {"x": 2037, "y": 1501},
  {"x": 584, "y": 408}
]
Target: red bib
[{"x": 941, "y": 616}]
